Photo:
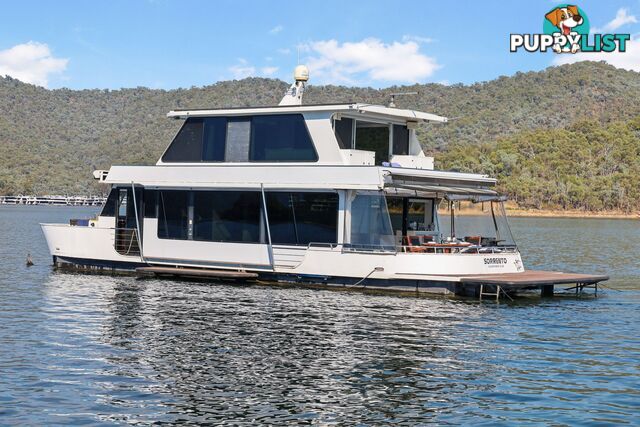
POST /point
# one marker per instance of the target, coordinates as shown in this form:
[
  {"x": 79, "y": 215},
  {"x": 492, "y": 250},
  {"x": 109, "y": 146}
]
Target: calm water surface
[{"x": 78, "y": 349}]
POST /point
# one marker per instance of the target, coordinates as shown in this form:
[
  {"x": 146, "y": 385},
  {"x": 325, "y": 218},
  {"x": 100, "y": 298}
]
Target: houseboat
[{"x": 331, "y": 194}]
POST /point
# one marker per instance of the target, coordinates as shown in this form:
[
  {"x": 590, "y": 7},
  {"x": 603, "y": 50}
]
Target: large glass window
[
  {"x": 150, "y": 203},
  {"x": 302, "y": 218},
  {"x": 276, "y": 138},
  {"x": 373, "y": 137},
  {"x": 109, "y": 208},
  {"x": 173, "y": 214},
  {"x": 400, "y": 140},
  {"x": 227, "y": 216},
  {"x": 238, "y": 138},
  {"x": 213, "y": 141},
  {"x": 370, "y": 222},
  {"x": 344, "y": 132},
  {"x": 187, "y": 145},
  {"x": 281, "y": 138}
]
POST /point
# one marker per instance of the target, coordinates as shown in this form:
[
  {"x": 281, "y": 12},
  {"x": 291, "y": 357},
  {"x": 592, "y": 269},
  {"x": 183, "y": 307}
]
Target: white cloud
[
  {"x": 417, "y": 39},
  {"x": 269, "y": 71},
  {"x": 276, "y": 29},
  {"x": 242, "y": 69},
  {"x": 622, "y": 18},
  {"x": 284, "y": 51},
  {"x": 369, "y": 60},
  {"x": 628, "y": 60},
  {"x": 31, "y": 62}
]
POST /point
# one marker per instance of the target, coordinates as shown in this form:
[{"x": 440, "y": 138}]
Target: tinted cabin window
[
  {"x": 227, "y": 216},
  {"x": 150, "y": 203},
  {"x": 281, "y": 138},
  {"x": 373, "y": 137},
  {"x": 344, "y": 132},
  {"x": 370, "y": 222},
  {"x": 109, "y": 208},
  {"x": 400, "y": 140},
  {"x": 302, "y": 218},
  {"x": 213, "y": 143},
  {"x": 173, "y": 214},
  {"x": 238, "y": 137},
  {"x": 187, "y": 145}
]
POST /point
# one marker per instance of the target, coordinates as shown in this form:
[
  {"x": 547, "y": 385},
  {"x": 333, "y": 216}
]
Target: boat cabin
[{"x": 347, "y": 175}]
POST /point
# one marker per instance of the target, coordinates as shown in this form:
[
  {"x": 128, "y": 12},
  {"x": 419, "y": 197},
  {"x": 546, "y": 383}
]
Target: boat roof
[
  {"x": 354, "y": 107},
  {"x": 301, "y": 177}
]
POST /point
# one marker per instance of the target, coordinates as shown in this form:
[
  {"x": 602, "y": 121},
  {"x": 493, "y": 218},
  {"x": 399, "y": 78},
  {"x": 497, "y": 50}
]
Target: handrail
[
  {"x": 138, "y": 229},
  {"x": 267, "y": 227},
  {"x": 126, "y": 241}
]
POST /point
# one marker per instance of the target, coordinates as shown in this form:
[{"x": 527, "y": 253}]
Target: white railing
[{"x": 53, "y": 200}]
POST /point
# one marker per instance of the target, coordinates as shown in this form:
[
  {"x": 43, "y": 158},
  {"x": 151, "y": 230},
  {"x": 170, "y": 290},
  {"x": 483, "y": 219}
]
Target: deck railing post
[
  {"x": 266, "y": 225},
  {"x": 135, "y": 211}
]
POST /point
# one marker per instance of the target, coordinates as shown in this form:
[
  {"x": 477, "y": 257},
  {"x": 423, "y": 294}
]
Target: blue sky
[{"x": 169, "y": 44}]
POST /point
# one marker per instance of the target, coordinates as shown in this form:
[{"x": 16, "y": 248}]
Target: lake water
[{"x": 77, "y": 349}]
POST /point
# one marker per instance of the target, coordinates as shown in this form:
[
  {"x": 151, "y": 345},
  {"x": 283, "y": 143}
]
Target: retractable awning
[{"x": 451, "y": 185}]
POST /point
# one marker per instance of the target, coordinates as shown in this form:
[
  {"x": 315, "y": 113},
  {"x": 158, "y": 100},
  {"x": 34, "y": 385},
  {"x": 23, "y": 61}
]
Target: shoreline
[{"x": 553, "y": 213}]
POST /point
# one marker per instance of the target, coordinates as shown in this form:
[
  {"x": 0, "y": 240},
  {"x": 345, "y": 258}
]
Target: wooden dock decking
[
  {"x": 545, "y": 281},
  {"x": 532, "y": 278}
]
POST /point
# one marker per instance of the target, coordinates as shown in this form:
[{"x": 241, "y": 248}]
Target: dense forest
[{"x": 564, "y": 137}]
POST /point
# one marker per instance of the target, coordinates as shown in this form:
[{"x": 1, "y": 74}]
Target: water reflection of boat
[{"x": 338, "y": 194}]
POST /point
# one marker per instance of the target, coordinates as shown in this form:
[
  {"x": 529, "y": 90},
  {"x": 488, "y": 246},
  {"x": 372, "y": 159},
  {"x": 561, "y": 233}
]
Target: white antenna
[
  {"x": 392, "y": 104},
  {"x": 293, "y": 96}
]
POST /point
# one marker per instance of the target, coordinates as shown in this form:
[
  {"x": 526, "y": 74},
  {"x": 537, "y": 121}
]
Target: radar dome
[{"x": 301, "y": 73}]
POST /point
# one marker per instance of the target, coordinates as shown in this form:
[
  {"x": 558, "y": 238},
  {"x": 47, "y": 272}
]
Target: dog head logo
[
  {"x": 565, "y": 18},
  {"x": 569, "y": 21}
]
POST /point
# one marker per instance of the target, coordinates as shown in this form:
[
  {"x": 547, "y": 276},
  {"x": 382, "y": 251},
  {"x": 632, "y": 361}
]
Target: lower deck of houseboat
[{"x": 488, "y": 286}]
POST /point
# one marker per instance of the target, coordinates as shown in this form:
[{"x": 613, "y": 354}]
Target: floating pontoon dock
[
  {"x": 486, "y": 285},
  {"x": 494, "y": 285}
]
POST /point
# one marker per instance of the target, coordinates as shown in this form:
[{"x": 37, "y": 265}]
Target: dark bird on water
[{"x": 29, "y": 260}]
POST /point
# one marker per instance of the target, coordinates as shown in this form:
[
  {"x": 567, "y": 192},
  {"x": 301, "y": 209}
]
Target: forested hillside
[
  {"x": 565, "y": 137},
  {"x": 586, "y": 166}
]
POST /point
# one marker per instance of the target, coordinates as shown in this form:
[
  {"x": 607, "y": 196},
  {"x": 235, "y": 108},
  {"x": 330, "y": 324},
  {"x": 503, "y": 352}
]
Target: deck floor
[{"x": 532, "y": 278}]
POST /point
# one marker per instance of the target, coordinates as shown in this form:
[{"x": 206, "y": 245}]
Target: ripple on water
[
  {"x": 78, "y": 349},
  {"x": 119, "y": 349}
]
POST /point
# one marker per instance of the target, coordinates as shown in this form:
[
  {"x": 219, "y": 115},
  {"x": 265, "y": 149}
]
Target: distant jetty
[{"x": 53, "y": 200}]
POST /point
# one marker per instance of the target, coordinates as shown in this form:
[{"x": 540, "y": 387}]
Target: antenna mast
[{"x": 293, "y": 96}]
